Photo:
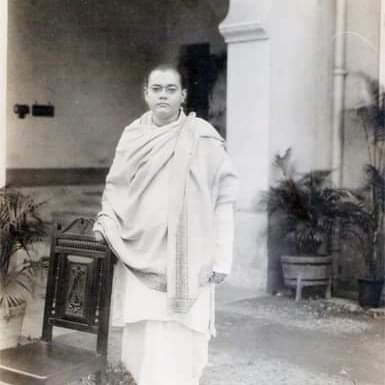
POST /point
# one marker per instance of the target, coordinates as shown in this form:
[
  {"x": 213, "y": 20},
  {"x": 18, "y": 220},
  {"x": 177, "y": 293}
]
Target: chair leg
[
  {"x": 328, "y": 293},
  {"x": 98, "y": 377},
  {"x": 298, "y": 293}
]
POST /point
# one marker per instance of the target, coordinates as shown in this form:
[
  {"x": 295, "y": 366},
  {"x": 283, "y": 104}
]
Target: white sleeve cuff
[{"x": 224, "y": 237}]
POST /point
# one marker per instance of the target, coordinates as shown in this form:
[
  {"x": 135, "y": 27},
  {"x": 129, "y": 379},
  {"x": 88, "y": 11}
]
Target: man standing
[{"x": 167, "y": 213}]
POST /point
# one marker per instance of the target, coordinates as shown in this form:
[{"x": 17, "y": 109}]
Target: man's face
[{"x": 164, "y": 95}]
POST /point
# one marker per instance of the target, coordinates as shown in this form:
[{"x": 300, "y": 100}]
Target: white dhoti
[
  {"x": 159, "y": 347},
  {"x": 164, "y": 353}
]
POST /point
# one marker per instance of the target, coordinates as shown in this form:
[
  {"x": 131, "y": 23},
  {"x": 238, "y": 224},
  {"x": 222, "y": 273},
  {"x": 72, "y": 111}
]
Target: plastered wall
[
  {"x": 301, "y": 38},
  {"x": 3, "y": 80},
  {"x": 88, "y": 60},
  {"x": 362, "y": 57}
]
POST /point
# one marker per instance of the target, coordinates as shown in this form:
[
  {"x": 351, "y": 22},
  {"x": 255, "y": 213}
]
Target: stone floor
[
  {"x": 262, "y": 340},
  {"x": 266, "y": 340},
  {"x": 273, "y": 340}
]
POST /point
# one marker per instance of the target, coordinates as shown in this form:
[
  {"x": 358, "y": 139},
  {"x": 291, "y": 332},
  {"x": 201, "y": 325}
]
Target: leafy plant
[
  {"x": 307, "y": 206},
  {"x": 20, "y": 226},
  {"x": 370, "y": 199}
]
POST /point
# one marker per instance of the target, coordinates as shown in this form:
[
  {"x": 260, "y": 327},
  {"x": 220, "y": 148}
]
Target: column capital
[
  {"x": 245, "y": 21},
  {"x": 242, "y": 32}
]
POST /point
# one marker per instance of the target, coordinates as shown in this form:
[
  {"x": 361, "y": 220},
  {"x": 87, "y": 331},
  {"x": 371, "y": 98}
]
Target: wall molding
[
  {"x": 246, "y": 21},
  {"x": 34, "y": 177},
  {"x": 243, "y": 32}
]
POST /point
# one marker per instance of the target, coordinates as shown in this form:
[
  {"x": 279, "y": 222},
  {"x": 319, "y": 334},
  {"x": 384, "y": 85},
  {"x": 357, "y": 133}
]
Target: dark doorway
[
  {"x": 196, "y": 64},
  {"x": 203, "y": 71}
]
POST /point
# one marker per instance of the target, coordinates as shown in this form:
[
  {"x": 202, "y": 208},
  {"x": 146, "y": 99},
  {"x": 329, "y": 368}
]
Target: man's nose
[{"x": 163, "y": 93}]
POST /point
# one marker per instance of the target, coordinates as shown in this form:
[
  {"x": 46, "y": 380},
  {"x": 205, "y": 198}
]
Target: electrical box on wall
[
  {"x": 44, "y": 110},
  {"x": 21, "y": 110},
  {"x": 40, "y": 110}
]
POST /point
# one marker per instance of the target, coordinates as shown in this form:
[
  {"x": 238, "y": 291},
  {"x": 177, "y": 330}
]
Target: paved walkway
[
  {"x": 273, "y": 341},
  {"x": 267, "y": 340}
]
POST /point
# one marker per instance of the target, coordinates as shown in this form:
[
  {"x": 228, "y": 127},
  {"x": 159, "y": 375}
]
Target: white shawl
[{"x": 192, "y": 152}]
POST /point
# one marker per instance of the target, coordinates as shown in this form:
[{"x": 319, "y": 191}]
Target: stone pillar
[
  {"x": 3, "y": 83},
  {"x": 248, "y": 96}
]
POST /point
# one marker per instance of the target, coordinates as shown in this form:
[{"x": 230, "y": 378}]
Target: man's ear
[
  {"x": 184, "y": 95},
  {"x": 145, "y": 93}
]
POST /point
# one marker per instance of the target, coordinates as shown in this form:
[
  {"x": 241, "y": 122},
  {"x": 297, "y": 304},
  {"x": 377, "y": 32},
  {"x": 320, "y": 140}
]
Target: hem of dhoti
[{"x": 164, "y": 352}]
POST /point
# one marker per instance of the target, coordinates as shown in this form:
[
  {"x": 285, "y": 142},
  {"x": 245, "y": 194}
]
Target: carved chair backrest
[{"x": 79, "y": 281}]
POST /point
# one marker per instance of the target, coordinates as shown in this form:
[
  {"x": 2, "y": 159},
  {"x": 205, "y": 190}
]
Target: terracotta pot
[{"x": 11, "y": 325}]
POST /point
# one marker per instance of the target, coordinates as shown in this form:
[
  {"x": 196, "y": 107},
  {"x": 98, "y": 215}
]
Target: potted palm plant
[
  {"x": 20, "y": 226},
  {"x": 307, "y": 207},
  {"x": 369, "y": 203}
]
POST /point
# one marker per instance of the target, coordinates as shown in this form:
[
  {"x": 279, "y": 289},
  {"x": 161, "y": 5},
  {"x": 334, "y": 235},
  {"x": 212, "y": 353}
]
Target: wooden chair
[{"x": 78, "y": 297}]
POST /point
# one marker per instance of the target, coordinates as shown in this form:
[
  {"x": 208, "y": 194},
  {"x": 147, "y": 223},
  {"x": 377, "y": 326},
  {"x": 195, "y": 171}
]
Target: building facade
[{"x": 291, "y": 71}]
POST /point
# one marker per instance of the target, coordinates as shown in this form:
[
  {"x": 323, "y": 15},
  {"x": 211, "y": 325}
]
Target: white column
[
  {"x": 248, "y": 95},
  {"x": 3, "y": 81},
  {"x": 382, "y": 45}
]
